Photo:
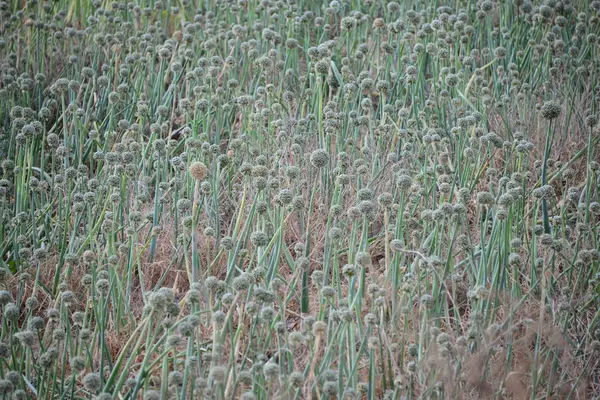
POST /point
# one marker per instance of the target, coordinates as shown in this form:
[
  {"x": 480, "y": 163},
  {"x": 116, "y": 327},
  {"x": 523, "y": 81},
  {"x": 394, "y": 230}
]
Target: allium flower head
[
  {"x": 319, "y": 158},
  {"x": 92, "y": 382},
  {"x": 550, "y": 110},
  {"x": 198, "y": 170}
]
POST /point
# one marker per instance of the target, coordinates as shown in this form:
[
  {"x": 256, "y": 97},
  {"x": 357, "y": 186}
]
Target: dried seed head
[
  {"x": 319, "y": 328},
  {"x": 198, "y": 170}
]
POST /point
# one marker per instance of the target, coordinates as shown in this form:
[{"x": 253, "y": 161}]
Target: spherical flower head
[
  {"x": 227, "y": 243},
  {"x": 103, "y": 286},
  {"x": 451, "y": 80},
  {"x": 403, "y": 182},
  {"x": 245, "y": 378},
  {"x": 442, "y": 338},
  {"x": 217, "y": 374},
  {"x": 328, "y": 292},
  {"x": 370, "y": 319},
  {"x": 241, "y": 283},
  {"x": 385, "y": 200},
  {"x": 303, "y": 263},
  {"x": 92, "y": 382},
  {"x": 514, "y": 260},
  {"x": 157, "y": 300},
  {"x": 77, "y": 364},
  {"x": 349, "y": 271},
  {"x": 382, "y": 86},
  {"x": 365, "y": 194},
  {"x": 11, "y": 311},
  {"x": 366, "y": 207},
  {"x": 271, "y": 370},
  {"x": 175, "y": 378},
  {"x": 550, "y": 110},
  {"x": 151, "y": 395},
  {"x": 373, "y": 343},
  {"x": 193, "y": 296},
  {"x": 330, "y": 388},
  {"x": 36, "y": 323},
  {"x": 378, "y": 23},
  {"x": 427, "y": 300},
  {"x": 363, "y": 387},
  {"x": 184, "y": 205},
  {"x": 296, "y": 379},
  {"x": 317, "y": 277},
  {"x": 198, "y": 170},
  {"x": 500, "y": 52},
  {"x": 186, "y": 328},
  {"x": 4, "y": 350},
  {"x": 342, "y": 179},
  {"x": 319, "y": 328},
  {"x": 350, "y": 394},
  {"x": 219, "y": 317},
  {"x": 267, "y": 314},
  {"x": 6, "y": 387},
  {"x": 348, "y": 23},
  {"x": 26, "y": 338},
  {"x": 5, "y": 297},
  {"x": 322, "y": 67},
  {"x": 485, "y": 198},
  {"x": 336, "y": 233},
  {"x": 487, "y": 6},
  {"x": 295, "y": 339},
  {"x": 363, "y": 259},
  {"x": 286, "y": 196},
  {"x": 319, "y": 158},
  {"x": 259, "y": 239},
  {"x": 591, "y": 120}
]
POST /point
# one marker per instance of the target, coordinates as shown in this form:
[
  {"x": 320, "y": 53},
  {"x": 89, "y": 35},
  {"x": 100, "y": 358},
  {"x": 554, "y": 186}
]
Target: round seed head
[
  {"x": 485, "y": 198},
  {"x": 550, "y": 110},
  {"x": 151, "y": 395},
  {"x": 330, "y": 388},
  {"x": 366, "y": 207},
  {"x": 319, "y": 158},
  {"x": 271, "y": 370},
  {"x": 217, "y": 374},
  {"x": 241, "y": 283},
  {"x": 198, "y": 170},
  {"x": 319, "y": 328},
  {"x": 26, "y": 338},
  {"x": 92, "y": 382},
  {"x": 175, "y": 378},
  {"x": 296, "y": 379},
  {"x": 259, "y": 239}
]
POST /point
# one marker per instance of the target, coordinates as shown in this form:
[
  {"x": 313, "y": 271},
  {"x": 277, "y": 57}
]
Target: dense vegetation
[{"x": 291, "y": 199}]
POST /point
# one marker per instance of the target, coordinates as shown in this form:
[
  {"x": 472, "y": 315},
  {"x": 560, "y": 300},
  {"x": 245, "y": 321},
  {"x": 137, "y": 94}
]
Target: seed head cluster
[{"x": 282, "y": 199}]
